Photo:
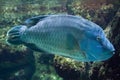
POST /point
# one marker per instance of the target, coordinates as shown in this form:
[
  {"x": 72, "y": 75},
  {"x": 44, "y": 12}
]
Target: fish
[{"x": 65, "y": 35}]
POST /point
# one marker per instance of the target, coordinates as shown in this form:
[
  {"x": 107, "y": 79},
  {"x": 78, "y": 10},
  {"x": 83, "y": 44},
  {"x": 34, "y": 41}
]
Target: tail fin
[{"x": 14, "y": 35}]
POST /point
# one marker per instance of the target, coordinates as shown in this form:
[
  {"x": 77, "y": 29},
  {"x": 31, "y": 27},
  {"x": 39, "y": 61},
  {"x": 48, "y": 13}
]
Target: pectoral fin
[{"x": 72, "y": 43}]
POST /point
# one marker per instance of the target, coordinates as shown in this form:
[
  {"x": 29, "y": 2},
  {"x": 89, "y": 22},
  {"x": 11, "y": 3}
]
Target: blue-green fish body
[{"x": 65, "y": 35}]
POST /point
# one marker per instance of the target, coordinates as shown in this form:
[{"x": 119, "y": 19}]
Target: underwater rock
[
  {"x": 112, "y": 66},
  {"x": 46, "y": 59},
  {"x": 70, "y": 70},
  {"x": 21, "y": 63},
  {"x": 44, "y": 68}
]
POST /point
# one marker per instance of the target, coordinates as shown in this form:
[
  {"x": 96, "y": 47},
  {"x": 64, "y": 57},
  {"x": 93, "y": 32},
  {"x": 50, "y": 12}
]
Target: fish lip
[
  {"x": 108, "y": 45},
  {"x": 113, "y": 49},
  {"x": 113, "y": 52}
]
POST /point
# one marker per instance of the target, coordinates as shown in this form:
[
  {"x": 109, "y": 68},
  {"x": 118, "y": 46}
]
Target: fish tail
[{"x": 14, "y": 35}]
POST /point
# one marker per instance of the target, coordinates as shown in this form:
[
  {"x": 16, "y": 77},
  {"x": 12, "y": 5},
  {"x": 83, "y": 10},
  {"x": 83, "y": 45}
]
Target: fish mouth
[
  {"x": 113, "y": 52},
  {"x": 108, "y": 45},
  {"x": 106, "y": 56},
  {"x": 111, "y": 49}
]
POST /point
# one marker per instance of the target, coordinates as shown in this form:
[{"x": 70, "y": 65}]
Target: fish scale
[
  {"x": 49, "y": 40},
  {"x": 54, "y": 42}
]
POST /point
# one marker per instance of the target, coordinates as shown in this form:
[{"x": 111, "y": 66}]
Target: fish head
[
  {"x": 107, "y": 47},
  {"x": 96, "y": 46}
]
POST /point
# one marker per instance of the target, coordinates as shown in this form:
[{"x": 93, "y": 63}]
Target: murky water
[{"x": 21, "y": 63}]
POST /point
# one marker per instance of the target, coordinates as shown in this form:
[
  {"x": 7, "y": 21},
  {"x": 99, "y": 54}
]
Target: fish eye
[{"x": 98, "y": 38}]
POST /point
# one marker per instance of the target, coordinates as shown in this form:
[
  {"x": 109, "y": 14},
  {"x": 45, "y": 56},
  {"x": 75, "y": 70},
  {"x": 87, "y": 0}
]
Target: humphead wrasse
[{"x": 65, "y": 35}]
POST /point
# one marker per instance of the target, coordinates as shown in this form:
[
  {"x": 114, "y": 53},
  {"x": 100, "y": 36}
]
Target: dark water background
[{"x": 20, "y": 63}]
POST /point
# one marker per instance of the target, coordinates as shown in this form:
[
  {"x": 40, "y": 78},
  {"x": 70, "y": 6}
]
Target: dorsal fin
[{"x": 34, "y": 20}]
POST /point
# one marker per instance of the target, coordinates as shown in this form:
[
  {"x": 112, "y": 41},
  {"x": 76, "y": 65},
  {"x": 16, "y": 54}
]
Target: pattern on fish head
[
  {"x": 96, "y": 46},
  {"x": 106, "y": 44}
]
